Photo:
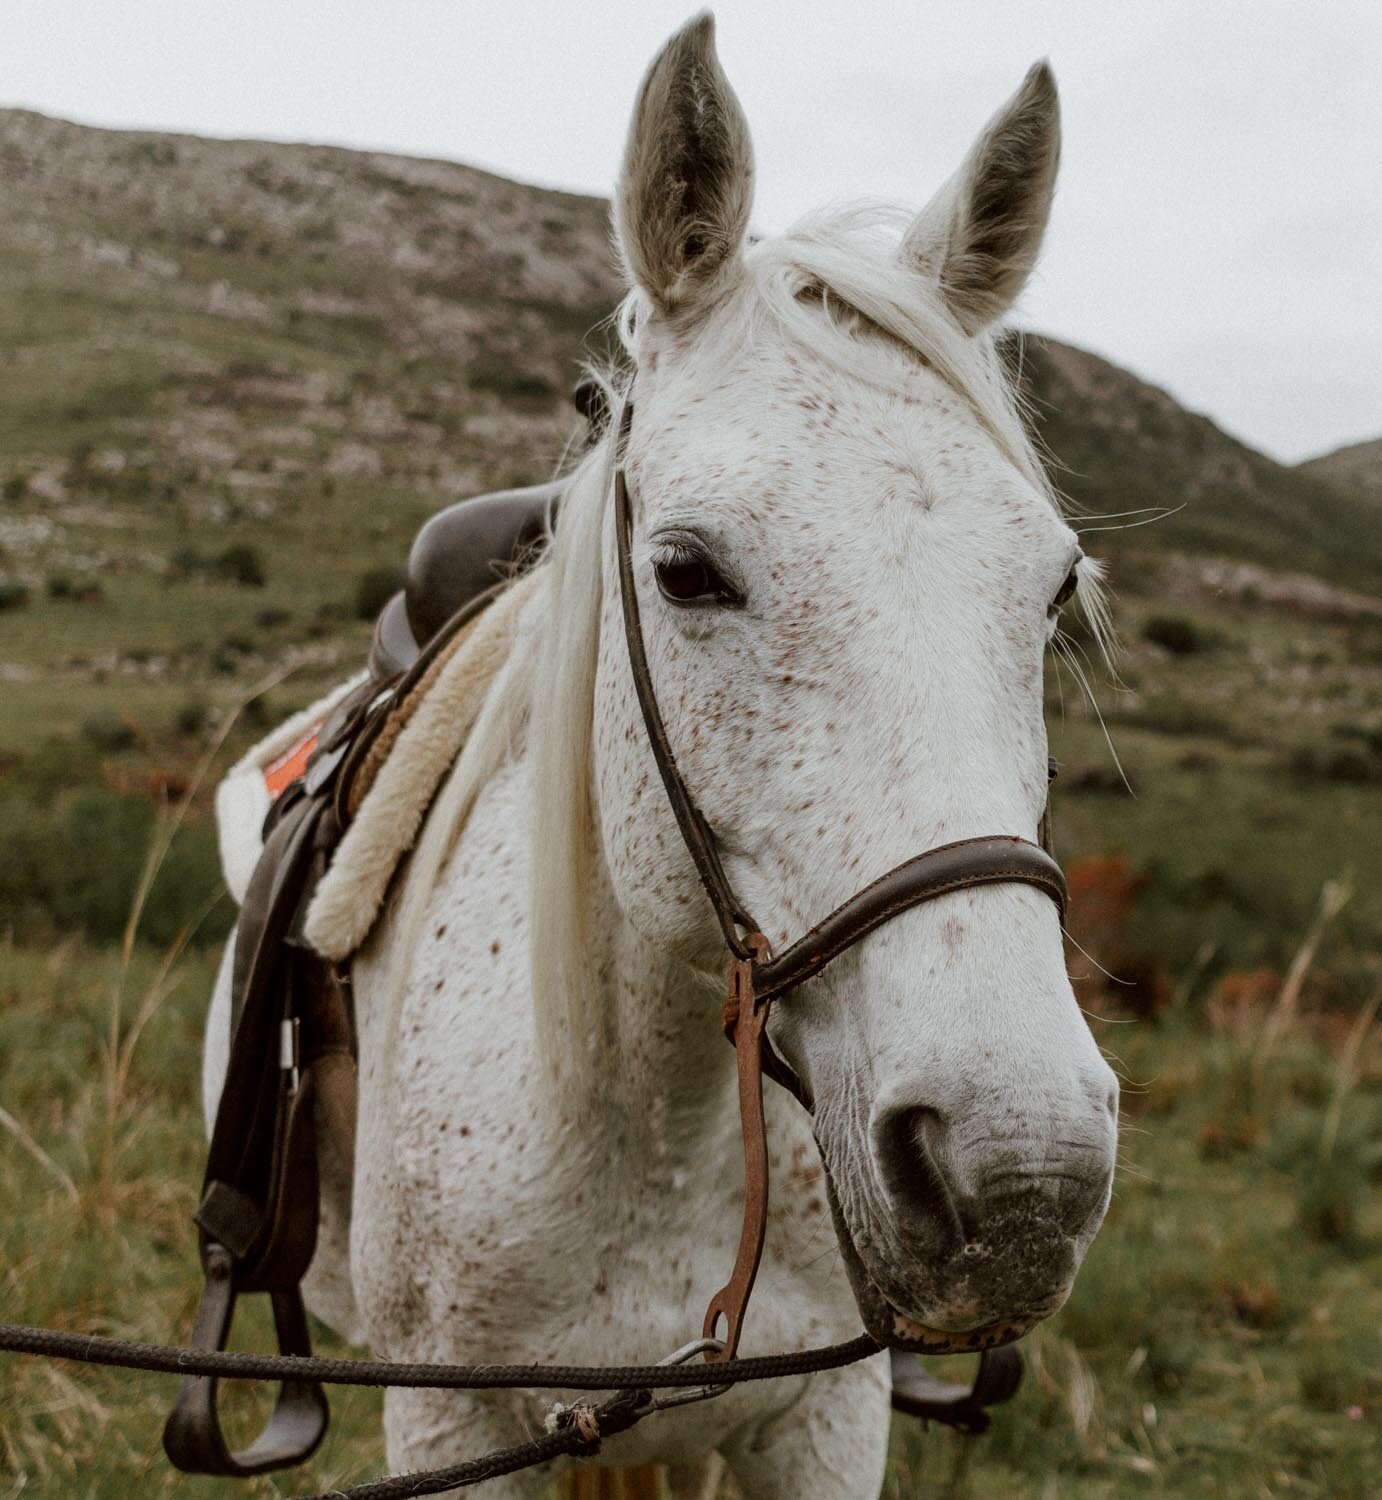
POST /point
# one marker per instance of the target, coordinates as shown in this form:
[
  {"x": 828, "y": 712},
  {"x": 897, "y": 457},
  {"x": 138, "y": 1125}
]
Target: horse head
[{"x": 850, "y": 565}]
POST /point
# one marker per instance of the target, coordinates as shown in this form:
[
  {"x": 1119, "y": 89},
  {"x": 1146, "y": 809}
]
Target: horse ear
[
  {"x": 980, "y": 235},
  {"x": 682, "y": 206}
]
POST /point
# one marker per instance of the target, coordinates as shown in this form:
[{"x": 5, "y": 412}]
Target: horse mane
[{"x": 841, "y": 262}]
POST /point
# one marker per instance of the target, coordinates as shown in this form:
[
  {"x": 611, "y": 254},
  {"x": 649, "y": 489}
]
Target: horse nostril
[{"x": 911, "y": 1144}]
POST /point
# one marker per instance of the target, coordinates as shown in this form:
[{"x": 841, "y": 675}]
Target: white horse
[{"x": 847, "y": 556}]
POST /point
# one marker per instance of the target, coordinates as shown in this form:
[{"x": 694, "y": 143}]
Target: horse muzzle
[{"x": 936, "y": 1270}]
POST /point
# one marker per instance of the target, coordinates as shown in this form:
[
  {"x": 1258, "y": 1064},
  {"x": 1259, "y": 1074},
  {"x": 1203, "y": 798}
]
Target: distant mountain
[
  {"x": 202, "y": 335},
  {"x": 1357, "y": 467},
  {"x": 1121, "y": 443},
  {"x": 243, "y": 313}
]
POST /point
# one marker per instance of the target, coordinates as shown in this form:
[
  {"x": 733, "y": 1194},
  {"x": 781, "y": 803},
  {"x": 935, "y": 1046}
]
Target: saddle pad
[
  {"x": 249, "y": 788},
  {"x": 406, "y": 765}
]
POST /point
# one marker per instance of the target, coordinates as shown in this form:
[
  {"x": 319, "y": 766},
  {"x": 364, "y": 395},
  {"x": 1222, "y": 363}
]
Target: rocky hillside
[
  {"x": 1121, "y": 444},
  {"x": 208, "y": 346},
  {"x": 239, "y": 314},
  {"x": 1357, "y": 467},
  {"x": 235, "y": 377}
]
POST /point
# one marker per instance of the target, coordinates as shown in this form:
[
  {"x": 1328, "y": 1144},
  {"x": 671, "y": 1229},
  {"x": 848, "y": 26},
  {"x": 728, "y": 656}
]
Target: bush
[
  {"x": 1331, "y": 1195},
  {"x": 270, "y": 619},
  {"x": 15, "y": 487},
  {"x": 242, "y": 564},
  {"x": 76, "y": 868},
  {"x": 186, "y": 562},
  {"x": 1348, "y": 763},
  {"x": 192, "y": 718},
  {"x": 1171, "y": 713},
  {"x": 1175, "y": 633},
  {"x": 258, "y": 712},
  {"x": 374, "y": 590},
  {"x": 52, "y": 768},
  {"x": 13, "y": 595},
  {"x": 108, "y": 732},
  {"x": 503, "y": 380}
]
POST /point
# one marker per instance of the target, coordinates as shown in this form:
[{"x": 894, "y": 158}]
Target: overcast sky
[{"x": 1218, "y": 227}]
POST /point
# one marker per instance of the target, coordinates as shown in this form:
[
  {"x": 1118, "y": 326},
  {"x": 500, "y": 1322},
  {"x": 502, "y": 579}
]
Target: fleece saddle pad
[{"x": 391, "y": 789}]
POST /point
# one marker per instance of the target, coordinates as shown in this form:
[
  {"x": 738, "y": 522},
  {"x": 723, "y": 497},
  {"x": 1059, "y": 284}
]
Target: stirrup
[
  {"x": 192, "y": 1436},
  {"x": 920, "y": 1394}
]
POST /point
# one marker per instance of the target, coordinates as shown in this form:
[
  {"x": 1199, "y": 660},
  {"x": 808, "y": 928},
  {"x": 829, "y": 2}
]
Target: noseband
[{"x": 756, "y": 976}]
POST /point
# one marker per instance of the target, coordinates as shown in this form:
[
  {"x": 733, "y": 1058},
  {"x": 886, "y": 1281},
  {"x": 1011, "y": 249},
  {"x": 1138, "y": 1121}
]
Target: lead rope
[{"x": 575, "y": 1430}]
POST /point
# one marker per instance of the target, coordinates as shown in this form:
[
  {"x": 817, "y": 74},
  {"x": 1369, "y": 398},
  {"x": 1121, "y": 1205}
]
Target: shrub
[
  {"x": 498, "y": 379},
  {"x": 76, "y": 867},
  {"x": 374, "y": 590},
  {"x": 1172, "y": 714},
  {"x": 242, "y": 564},
  {"x": 270, "y": 619},
  {"x": 192, "y": 718},
  {"x": 13, "y": 595},
  {"x": 186, "y": 562},
  {"x": 109, "y": 732},
  {"x": 1175, "y": 633},
  {"x": 53, "y": 767},
  {"x": 258, "y": 712},
  {"x": 15, "y": 487},
  {"x": 1331, "y": 1194},
  {"x": 1349, "y": 763}
]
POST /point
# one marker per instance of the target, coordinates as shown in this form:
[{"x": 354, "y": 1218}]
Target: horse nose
[
  {"x": 948, "y": 1182},
  {"x": 911, "y": 1147}
]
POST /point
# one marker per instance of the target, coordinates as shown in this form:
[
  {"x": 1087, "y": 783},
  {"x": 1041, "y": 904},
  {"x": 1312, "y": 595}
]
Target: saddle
[{"x": 293, "y": 1050}]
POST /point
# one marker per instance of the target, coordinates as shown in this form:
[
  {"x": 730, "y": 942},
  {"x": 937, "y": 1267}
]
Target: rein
[{"x": 574, "y": 1430}]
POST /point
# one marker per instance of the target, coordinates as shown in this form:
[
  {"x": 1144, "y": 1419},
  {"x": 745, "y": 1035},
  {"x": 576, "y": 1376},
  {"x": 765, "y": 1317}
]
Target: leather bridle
[{"x": 757, "y": 977}]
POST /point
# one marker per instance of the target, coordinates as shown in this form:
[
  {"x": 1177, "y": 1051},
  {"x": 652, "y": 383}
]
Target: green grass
[{"x": 1215, "y": 1345}]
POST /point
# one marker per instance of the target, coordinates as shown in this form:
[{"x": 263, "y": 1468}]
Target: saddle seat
[
  {"x": 466, "y": 549},
  {"x": 459, "y": 555}
]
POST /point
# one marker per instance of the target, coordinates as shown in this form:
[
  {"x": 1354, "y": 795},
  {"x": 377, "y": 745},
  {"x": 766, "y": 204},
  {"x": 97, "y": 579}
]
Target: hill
[
  {"x": 236, "y": 376},
  {"x": 1121, "y": 443},
  {"x": 198, "y": 332},
  {"x": 1357, "y": 467}
]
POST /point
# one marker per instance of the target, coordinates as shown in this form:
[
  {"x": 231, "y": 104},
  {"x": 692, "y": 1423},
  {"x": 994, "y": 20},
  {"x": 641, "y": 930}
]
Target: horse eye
[
  {"x": 688, "y": 579},
  {"x": 1066, "y": 592}
]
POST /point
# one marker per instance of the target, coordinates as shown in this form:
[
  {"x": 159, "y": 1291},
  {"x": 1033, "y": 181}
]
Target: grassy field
[
  {"x": 1223, "y": 1339},
  {"x": 1224, "y": 1336}
]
